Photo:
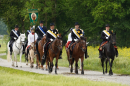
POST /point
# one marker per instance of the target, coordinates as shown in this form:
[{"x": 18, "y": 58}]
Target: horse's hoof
[
  {"x": 57, "y": 68},
  {"x": 42, "y": 69},
  {"x": 76, "y": 72},
  {"x": 12, "y": 65},
  {"x": 16, "y": 66},
  {"x": 82, "y": 72},
  {"x": 20, "y": 66},
  {"x": 55, "y": 72},
  {"x": 46, "y": 69},
  {"x": 26, "y": 64},
  {"x": 105, "y": 71},
  {"x": 110, "y": 73}
]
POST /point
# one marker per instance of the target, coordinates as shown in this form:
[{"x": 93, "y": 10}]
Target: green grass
[
  {"x": 13, "y": 77},
  {"x": 121, "y": 65}
]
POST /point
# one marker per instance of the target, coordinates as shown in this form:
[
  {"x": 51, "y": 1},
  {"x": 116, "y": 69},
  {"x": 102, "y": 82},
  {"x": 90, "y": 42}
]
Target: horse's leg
[
  {"x": 46, "y": 64},
  {"x": 76, "y": 67},
  {"x": 12, "y": 60},
  {"x": 56, "y": 64},
  {"x": 110, "y": 63},
  {"x": 51, "y": 64},
  {"x": 15, "y": 59},
  {"x": 71, "y": 63},
  {"x": 106, "y": 65},
  {"x": 82, "y": 70},
  {"x": 36, "y": 61},
  {"x": 20, "y": 58},
  {"x": 102, "y": 60},
  {"x": 80, "y": 64}
]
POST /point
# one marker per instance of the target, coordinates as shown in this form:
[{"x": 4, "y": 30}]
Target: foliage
[{"x": 91, "y": 14}]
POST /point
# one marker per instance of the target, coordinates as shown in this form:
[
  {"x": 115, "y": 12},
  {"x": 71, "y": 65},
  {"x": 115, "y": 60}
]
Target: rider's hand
[
  {"x": 107, "y": 37},
  {"x": 51, "y": 39},
  {"x": 75, "y": 39},
  {"x": 15, "y": 38}
]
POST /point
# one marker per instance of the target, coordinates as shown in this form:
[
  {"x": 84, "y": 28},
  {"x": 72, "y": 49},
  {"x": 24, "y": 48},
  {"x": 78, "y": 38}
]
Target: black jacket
[
  {"x": 50, "y": 35},
  {"x": 104, "y": 35},
  {"x": 39, "y": 32},
  {"x": 28, "y": 31},
  {"x": 74, "y": 32},
  {"x": 12, "y": 35}
]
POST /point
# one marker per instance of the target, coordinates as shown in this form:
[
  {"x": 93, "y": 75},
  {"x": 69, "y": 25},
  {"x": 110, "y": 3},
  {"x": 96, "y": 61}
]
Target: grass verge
[{"x": 13, "y": 77}]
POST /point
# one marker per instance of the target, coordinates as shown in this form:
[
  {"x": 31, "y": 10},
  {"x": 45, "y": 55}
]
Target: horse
[
  {"x": 78, "y": 52},
  {"x": 40, "y": 52},
  {"x": 17, "y": 49},
  {"x": 54, "y": 50},
  {"x": 31, "y": 55},
  {"x": 109, "y": 53}
]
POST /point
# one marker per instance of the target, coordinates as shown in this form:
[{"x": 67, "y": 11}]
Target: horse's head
[
  {"x": 82, "y": 43},
  {"x": 22, "y": 38},
  {"x": 112, "y": 38},
  {"x": 59, "y": 42}
]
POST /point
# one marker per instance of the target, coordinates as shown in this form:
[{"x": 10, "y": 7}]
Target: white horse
[{"x": 17, "y": 49}]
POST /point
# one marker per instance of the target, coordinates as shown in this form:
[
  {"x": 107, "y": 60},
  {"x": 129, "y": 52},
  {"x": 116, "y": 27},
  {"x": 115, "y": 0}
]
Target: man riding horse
[
  {"x": 14, "y": 34},
  {"x": 41, "y": 31},
  {"x": 51, "y": 35},
  {"x": 75, "y": 34},
  {"x": 105, "y": 36}
]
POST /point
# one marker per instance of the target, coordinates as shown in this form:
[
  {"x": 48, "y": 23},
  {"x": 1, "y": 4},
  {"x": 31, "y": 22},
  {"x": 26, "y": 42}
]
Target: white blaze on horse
[{"x": 17, "y": 49}]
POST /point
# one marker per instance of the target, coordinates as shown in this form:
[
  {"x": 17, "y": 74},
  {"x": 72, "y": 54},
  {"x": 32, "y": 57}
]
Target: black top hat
[
  {"x": 107, "y": 25},
  {"x": 16, "y": 26},
  {"x": 51, "y": 24},
  {"x": 76, "y": 23},
  {"x": 41, "y": 22}
]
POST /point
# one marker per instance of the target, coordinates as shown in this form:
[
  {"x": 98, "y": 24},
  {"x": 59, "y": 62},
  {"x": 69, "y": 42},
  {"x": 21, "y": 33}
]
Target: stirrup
[
  {"x": 70, "y": 57},
  {"x": 43, "y": 57}
]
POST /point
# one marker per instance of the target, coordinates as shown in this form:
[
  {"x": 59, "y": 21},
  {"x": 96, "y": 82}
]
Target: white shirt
[
  {"x": 31, "y": 38},
  {"x": 69, "y": 37}
]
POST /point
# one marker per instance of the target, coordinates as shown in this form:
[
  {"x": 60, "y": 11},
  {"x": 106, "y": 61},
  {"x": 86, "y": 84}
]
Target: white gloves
[
  {"x": 15, "y": 38},
  {"x": 75, "y": 39},
  {"x": 51, "y": 39},
  {"x": 107, "y": 37}
]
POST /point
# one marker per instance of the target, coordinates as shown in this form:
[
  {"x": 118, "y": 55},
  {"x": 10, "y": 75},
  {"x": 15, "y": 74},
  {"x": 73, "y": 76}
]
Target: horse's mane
[{"x": 83, "y": 38}]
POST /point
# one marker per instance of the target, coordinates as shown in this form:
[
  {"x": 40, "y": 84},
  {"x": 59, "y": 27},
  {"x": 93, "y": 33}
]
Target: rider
[
  {"x": 41, "y": 31},
  {"x": 27, "y": 33},
  {"x": 69, "y": 38},
  {"x": 75, "y": 34},
  {"x": 50, "y": 36},
  {"x": 14, "y": 34},
  {"x": 31, "y": 39},
  {"x": 105, "y": 36}
]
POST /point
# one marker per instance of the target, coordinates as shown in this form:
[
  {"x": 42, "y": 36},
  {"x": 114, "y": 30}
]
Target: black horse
[{"x": 109, "y": 52}]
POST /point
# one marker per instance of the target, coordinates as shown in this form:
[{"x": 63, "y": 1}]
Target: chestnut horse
[
  {"x": 54, "y": 50},
  {"x": 78, "y": 52},
  {"x": 40, "y": 52}
]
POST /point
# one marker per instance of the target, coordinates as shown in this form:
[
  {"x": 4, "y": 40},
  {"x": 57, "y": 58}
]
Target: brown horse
[
  {"x": 54, "y": 52},
  {"x": 78, "y": 52},
  {"x": 40, "y": 52}
]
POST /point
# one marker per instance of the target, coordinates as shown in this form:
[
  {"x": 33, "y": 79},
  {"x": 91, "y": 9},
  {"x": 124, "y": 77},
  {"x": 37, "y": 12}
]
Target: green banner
[{"x": 33, "y": 15}]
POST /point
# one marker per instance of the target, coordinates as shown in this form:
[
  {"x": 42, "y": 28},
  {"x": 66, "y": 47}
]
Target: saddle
[
  {"x": 100, "y": 48},
  {"x": 72, "y": 46}
]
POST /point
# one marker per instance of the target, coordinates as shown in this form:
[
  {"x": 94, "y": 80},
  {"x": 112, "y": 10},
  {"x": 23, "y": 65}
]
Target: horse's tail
[
  {"x": 37, "y": 51},
  {"x": 43, "y": 61},
  {"x": 8, "y": 53}
]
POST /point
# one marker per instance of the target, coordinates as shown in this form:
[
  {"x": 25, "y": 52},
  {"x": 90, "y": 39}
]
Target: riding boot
[
  {"x": 100, "y": 54},
  {"x": 70, "y": 55},
  {"x": 23, "y": 49},
  {"x": 45, "y": 51},
  {"x": 60, "y": 57},
  {"x": 27, "y": 51},
  {"x": 36, "y": 47},
  {"x": 116, "y": 52},
  {"x": 11, "y": 50}
]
